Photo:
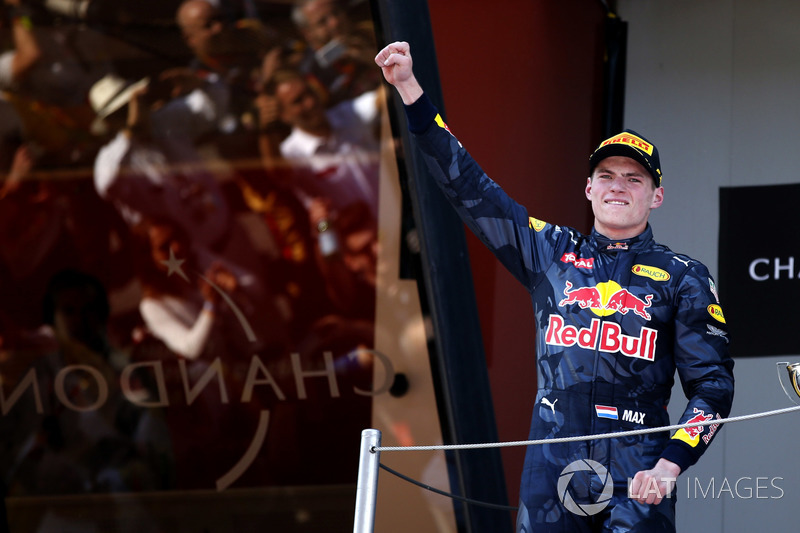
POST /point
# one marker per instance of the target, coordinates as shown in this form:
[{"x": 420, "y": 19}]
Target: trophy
[{"x": 793, "y": 369}]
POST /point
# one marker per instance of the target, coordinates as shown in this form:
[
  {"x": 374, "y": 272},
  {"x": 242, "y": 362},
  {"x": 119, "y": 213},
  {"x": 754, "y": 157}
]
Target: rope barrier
[
  {"x": 448, "y": 494},
  {"x": 612, "y": 435},
  {"x": 377, "y": 449}
]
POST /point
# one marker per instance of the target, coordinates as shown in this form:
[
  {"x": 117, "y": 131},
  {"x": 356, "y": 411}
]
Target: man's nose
[{"x": 619, "y": 183}]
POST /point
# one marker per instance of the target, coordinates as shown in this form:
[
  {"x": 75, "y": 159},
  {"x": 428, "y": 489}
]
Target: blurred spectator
[
  {"x": 17, "y": 62},
  {"x": 147, "y": 170},
  {"x": 332, "y": 163},
  {"x": 340, "y": 50},
  {"x": 179, "y": 311},
  {"x": 46, "y": 75},
  {"x": 152, "y": 168},
  {"x": 232, "y": 57},
  {"x": 211, "y": 307},
  {"x": 333, "y": 153},
  {"x": 230, "y": 51},
  {"x": 210, "y": 315}
]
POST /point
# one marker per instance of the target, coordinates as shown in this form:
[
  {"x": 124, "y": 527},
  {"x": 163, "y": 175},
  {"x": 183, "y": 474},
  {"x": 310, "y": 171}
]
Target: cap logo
[{"x": 630, "y": 140}]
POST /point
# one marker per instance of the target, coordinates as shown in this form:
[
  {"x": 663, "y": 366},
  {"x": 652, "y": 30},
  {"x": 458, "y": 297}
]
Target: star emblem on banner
[{"x": 173, "y": 265}]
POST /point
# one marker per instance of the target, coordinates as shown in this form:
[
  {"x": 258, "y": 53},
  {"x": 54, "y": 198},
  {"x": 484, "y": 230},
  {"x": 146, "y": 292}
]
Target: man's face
[
  {"x": 360, "y": 254},
  {"x": 325, "y": 20},
  {"x": 162, "y": 240},
  {"x": 299, "y": 105},
  {"x": 622, "y": 193},
  {"x": 77, "y": 316},
  {"x": 198, "y": 27}
]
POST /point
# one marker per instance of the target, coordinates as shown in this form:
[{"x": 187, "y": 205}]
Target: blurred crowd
[{"x": 192, "y": 181}]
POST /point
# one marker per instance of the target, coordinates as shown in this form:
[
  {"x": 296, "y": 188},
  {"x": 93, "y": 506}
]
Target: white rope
[{"x": 585, "y": 437}]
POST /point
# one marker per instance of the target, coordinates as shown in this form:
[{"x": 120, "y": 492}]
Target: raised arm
[
  {"x": 26, "y": 47},
  {"x": 397, "y": 66}
]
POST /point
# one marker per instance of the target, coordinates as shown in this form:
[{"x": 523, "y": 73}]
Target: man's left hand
[{"x": 652, "y": 486}]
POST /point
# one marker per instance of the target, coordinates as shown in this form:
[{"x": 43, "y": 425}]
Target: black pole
[{"x": 616, "y": 46}]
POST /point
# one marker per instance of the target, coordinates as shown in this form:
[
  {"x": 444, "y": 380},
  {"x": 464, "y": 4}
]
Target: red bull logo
[
  {"x": 606, "y": 299},
  {"x": 691, "y": 435},
  {"x": 440, "y": 122},
  {"x": 607, "y": 338}
]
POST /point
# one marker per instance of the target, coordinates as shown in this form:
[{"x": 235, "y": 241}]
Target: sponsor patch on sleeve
[
  {"x": 716, "y": 312},
  {"x": 713, "y": 288},
  {"x": 440, "y": 122},
  {"x": 691, "y": 435},
  {"x": 536, "y": 224}
]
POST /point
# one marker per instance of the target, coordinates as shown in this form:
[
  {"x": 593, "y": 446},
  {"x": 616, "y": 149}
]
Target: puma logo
[
  {"x": 552, "y": 406},
  {"x": 684, "y": 261}
]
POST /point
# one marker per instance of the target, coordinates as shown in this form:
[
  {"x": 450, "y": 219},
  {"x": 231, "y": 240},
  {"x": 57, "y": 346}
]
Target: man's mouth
[{"x": 616, "y": 202}]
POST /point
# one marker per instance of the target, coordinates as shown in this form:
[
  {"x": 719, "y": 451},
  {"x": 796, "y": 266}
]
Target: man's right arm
[{"x": 495, "y": 218}]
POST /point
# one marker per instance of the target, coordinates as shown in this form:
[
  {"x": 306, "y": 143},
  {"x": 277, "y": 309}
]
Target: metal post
[{"x": 367, "y": 488}]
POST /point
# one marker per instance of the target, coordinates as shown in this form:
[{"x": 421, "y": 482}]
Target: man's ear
[
  {"x": 658, "y": 198},
  {"x": 588, "y": 189}
]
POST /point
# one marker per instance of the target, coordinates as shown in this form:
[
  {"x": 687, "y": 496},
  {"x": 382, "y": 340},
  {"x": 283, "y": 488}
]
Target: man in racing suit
[{"x": 617, "y": 314}]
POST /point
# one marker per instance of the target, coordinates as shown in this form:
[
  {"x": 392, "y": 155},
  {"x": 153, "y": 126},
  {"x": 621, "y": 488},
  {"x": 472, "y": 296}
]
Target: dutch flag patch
[{"x": 606, "y": 411}]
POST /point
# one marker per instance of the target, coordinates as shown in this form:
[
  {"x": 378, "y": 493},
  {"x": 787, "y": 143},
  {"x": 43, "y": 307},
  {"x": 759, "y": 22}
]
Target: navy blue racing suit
[{"x": 615, "y": 320}]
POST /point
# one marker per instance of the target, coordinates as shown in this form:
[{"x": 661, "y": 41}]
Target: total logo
[
  {"x": 579, "y": 262},
  {"x": 605, "y": 299}
]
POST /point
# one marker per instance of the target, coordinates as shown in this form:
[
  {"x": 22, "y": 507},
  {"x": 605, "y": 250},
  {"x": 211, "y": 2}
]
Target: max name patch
[
  {"x": 630, "y": 140},
  {"x": 612, "y": 413}
]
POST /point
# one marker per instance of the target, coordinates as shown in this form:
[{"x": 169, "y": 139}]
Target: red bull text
[{"x": 607, "y": 338}]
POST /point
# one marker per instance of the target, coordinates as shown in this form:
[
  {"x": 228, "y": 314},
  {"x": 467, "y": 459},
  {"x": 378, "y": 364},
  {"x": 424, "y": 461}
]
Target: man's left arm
[{"x": 706, "y": 372}]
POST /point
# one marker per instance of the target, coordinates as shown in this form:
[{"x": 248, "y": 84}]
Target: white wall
[{"x": 715, "y": 84}]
